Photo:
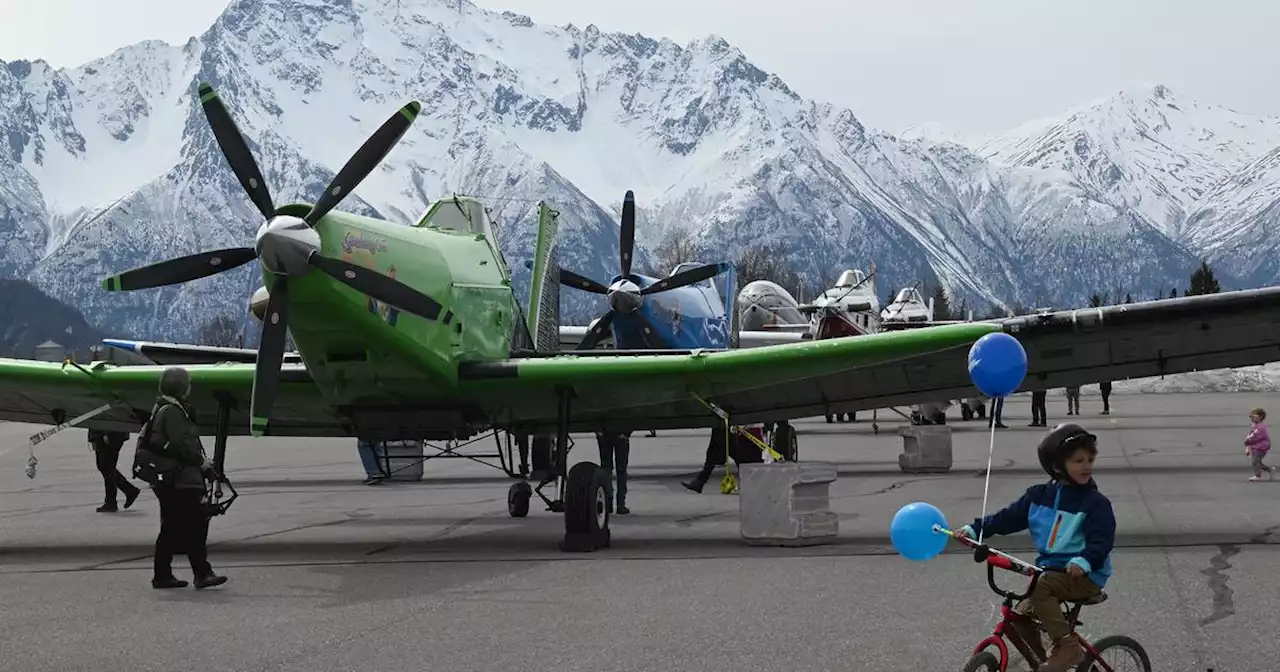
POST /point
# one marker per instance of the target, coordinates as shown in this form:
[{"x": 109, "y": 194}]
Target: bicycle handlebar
[{"x": 996, "y": 558}]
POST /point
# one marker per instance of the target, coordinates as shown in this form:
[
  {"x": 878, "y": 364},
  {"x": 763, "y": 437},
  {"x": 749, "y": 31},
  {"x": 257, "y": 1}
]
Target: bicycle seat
[{"x": 1097, "y": 599}]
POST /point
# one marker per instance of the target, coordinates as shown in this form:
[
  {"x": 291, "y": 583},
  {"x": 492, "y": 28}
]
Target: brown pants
[{"x": 1051, "y": 591}]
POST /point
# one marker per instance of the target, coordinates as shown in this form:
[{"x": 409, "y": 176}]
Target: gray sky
[{"x": 972, "y": 65}]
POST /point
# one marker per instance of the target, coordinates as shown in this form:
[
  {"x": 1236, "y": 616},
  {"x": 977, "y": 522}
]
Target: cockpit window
[
  {"x": 908, "y": 295},
  {"x": 850, "y": 278},
  {"x": 460, "y": 214},
  {"x": 686, "y": 265}
]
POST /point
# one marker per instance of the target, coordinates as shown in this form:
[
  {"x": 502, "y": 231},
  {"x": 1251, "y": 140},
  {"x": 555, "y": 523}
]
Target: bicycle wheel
[
  {"x": 984, "y": 661},
  {"x": 1120, "y": 652}
]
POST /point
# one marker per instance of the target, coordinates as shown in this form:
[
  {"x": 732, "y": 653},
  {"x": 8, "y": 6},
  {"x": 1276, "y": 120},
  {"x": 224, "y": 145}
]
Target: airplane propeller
[
  {"x": 625, "y": 294},
  {"x": 287, "y": 246}
]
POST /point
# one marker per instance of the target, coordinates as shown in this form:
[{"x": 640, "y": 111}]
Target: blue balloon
[
  {"x": 912, "y": 531},
  {"x": 997, "y": 364}
]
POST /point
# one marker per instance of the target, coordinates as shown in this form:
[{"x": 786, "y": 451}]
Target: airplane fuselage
[
  {"x": 685, "y": 317},
  {"x": 360, "y": 352}
]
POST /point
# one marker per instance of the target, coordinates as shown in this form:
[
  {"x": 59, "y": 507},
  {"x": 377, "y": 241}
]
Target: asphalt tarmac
[{"x": 329, "y": 574}]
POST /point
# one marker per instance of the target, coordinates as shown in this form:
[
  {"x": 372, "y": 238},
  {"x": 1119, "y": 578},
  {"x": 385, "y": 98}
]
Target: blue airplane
[{"x": 682, "y": 311}]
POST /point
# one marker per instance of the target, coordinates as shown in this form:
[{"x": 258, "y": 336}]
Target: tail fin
[{"x": 544, "y": 288}]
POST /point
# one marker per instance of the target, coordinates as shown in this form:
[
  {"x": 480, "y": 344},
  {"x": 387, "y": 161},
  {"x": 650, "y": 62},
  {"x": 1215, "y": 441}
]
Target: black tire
[
  {"x": 984, "y": 661},
  {"x": 518, "y": 497},
  {"x": 785, "y": 443},
  {"x": 586, "y": 510},
  {"x": 1124, "y": 643}
]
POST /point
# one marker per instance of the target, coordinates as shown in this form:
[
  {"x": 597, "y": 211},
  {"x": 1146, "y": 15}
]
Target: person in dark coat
[
  {"x": 1105, "y": 388},
  {"x": 184, "y": 524},
  {"x": 615, "y": 454},
  {"x": 1039, "y": 414},
  {"x": 106, "y": 450}
]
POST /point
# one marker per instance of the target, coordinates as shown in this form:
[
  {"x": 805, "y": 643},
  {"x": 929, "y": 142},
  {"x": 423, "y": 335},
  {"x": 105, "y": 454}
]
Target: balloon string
[{"x": 986, "y": 488}]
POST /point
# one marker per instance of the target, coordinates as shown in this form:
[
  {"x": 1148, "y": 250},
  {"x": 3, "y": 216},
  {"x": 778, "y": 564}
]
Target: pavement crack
[
  {"x": 688, "y": 521},
  {"x": 1223, "y": 604}
]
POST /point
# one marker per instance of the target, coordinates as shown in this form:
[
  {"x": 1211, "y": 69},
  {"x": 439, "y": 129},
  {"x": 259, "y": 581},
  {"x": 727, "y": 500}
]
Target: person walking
[
  {"x": 615, "y": 454},
  {"x": 1073, "y": 400},
  {"x": 106, "y": 450},
  {"x": 1039, "y": 414},
  {"x": 184, "y": 522},
  {"x": 1105, "y": 388}
]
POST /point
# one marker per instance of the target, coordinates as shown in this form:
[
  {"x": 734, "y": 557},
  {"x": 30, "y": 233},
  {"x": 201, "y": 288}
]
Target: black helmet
[{"x": 1057, "y": 444}]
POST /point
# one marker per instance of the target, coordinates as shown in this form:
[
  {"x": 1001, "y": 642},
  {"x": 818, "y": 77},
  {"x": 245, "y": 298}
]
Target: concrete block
[
  {"x": 403, "y": 459},
  {"x": 787, "y": 504},
  {"x": 925, "y": 449}
]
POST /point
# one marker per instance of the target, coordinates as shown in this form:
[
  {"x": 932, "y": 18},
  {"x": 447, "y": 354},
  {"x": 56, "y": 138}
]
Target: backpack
[{"x": 149, "y": 466}]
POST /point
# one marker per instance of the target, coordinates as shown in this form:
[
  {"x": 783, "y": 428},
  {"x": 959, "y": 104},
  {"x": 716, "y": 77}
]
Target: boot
[
  {"x": 1067, "y": 653},
  {"x": 697, "y": 482},
  {"x": 168, "y": 582},
  {"x": 130, "y": 496}
]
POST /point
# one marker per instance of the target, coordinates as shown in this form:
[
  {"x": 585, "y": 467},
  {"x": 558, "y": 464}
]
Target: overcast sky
[{"x": 975, "y": 66}]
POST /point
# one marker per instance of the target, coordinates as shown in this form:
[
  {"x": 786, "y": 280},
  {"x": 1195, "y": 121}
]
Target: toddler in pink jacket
[{"x": 1257, "y": 443}]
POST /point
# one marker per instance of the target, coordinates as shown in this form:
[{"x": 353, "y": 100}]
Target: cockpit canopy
[
  {"x": 458, "y": 213},
  {"x": 687, "y": 265},
  {"x": 908, "y": 295},
  {"x": 850, "y": 278}
]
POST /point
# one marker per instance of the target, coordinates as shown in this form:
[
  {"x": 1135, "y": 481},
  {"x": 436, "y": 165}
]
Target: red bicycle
[{"x": 984, "y": 660}]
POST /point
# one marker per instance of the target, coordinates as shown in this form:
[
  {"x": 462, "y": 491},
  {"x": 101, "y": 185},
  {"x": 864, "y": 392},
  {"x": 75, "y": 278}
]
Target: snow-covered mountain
[{"x": 111, "y": 165}]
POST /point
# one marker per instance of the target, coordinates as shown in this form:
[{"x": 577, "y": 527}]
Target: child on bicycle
[
  {"x": 1074, "y": 528},
  {"x": 1257, "y": 444}
]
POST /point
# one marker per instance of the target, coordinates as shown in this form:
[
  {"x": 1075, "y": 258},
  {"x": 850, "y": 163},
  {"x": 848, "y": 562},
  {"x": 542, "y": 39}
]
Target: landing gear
[
  {"x": 518, "y": 499},
  {"x": 583, "y": 491},
  {"x": 586, "y": 509}
]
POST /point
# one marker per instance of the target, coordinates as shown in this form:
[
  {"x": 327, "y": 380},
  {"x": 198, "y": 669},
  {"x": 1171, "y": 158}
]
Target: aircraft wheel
[
  {"x": 586, "y": 511},
  {"x": 518, "y": 497}
]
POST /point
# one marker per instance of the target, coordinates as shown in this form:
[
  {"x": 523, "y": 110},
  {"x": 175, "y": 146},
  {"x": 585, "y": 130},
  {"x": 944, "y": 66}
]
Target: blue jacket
[{"x": 1070, "y": 524}]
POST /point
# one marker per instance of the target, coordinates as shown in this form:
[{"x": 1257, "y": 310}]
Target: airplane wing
[
  {"x": 1072, "y": 347},
  {"x": 50, "y": 393}
]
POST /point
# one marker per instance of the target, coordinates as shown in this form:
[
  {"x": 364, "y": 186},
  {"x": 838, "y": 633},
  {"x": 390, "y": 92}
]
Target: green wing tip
[
  {"x": 110, "y": 283},
  {"x": 411, "y": 110}
]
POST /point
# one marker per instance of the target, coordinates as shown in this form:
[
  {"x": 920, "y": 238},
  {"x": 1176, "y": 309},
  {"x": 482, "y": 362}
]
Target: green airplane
[{"x": 414, "y": 332}]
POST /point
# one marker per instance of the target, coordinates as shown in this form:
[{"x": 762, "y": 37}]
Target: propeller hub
[
  {"x": 624, "y": 297},
  {"x": 285, "y": 243}
]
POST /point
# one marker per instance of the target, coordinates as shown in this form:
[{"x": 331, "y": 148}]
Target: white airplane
[{"x": 766, "y": 306}]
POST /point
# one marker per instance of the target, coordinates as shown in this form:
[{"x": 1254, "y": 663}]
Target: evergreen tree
[
  {"x": 1173, "y": 293},
  {"x": 1096, "y": 300},
  {"x": 1128, "y": 298},
  {"x": 941, "y": 306},
  {"x": 1202, "y": 281}
]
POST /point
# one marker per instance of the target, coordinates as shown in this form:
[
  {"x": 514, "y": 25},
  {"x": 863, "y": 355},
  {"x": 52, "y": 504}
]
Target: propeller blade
[
  {"x": 577, "y": 281},
  {"x": 685, "y": 278},
  {"x": 596, "y": 332},
  {"x": 182, "y": 269},
  {"x": 378, "y": 286},
  {"x": 358, "y": 167},
  {"x": 237, "y": 153},
  {"x": 627, "y": 241},
  {"x": 266, "y": 374}
]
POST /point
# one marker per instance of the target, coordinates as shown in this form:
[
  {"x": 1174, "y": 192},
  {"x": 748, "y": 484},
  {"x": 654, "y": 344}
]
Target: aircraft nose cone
[
  {"x": 624, "y": 297},
  {"x": 284, "y": 243}
]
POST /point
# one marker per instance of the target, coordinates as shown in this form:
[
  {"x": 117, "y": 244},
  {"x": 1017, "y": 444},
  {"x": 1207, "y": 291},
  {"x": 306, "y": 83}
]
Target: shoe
[
  {"x": 1251, "y": 478},
  {"x": 209, "y": 581},
  {"x": 694, "y": 485},
  {"x": 623, "y": 510},
  {"x": 107, "y": 508},
  {"x": 131, "y": 496},
  {"x": 1067, "y": 653},
  {"x": 169, "y": 582},
  {"x": 375, "y": 480}
]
